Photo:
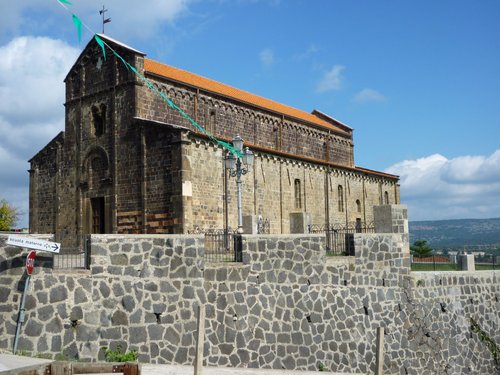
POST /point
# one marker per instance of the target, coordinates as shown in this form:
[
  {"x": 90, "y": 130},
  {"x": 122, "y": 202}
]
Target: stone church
[{"x": 129, "y": 163}]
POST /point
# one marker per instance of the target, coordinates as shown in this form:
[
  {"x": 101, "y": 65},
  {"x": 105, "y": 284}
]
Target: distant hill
[{"x": 456, "y": 233}]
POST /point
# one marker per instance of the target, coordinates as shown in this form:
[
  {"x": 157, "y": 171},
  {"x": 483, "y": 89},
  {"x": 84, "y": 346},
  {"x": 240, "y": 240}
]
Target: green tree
[
  {"x": 421, "y": 248},
  {"x": 8, "y": 215}
]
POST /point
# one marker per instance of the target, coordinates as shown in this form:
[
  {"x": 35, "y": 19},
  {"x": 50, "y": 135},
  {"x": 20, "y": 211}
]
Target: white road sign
[{"x": 34, "y": 243}]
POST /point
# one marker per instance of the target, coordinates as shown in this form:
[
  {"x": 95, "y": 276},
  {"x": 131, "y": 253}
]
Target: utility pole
[{"x": 104, "y": 19}]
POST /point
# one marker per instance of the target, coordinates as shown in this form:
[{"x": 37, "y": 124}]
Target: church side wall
[
  {"x": 225, "y": 118},
  {"x": 269, "y": 191}
]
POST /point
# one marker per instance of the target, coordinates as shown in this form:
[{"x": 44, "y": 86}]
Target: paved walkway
[
  {"x": 188, "y": 370},
  {"x": 14, "y": 364}
]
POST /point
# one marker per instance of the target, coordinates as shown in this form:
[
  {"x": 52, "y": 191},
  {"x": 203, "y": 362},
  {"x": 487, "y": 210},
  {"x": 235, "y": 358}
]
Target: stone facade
[
  {"x": 128, "y": 163},
  {"x": 286, "y": 305}
]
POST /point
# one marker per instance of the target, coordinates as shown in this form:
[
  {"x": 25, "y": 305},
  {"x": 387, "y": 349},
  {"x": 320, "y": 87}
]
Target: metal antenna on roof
[{"x": 104, "y": 20}]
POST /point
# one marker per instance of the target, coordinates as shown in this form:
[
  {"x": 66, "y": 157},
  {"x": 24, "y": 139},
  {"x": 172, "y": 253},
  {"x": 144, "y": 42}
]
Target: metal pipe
[
  {"x": 238, "y": 185},
  {"x": 21, "y": 316}
]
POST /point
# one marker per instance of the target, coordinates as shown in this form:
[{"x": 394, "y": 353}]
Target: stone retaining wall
[{"x": 286, "y": 306}]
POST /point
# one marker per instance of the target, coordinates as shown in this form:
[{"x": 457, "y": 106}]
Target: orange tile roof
[{"x": 192, "y": 79}]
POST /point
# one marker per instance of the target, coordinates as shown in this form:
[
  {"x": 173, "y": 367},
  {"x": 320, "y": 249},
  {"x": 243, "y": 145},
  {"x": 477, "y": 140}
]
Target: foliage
[
  {"x": 420, "y": 248},
  {"x": 118, "y": 355},
  {"x": 321, "y": 367},
  {"x": 490, "y": 343},
  {"x": 8, "y": 215}
]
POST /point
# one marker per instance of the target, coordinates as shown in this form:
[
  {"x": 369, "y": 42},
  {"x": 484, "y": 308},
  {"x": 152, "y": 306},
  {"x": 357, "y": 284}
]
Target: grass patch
[
  {"x": 430, "y": 267},
  {"x": 487, "y": 267},
  {"x": 449, "y": 267}
]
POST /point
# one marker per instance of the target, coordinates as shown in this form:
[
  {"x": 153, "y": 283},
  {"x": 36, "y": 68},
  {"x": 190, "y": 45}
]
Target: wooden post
[
  {"x": 200, "y": 341},
  {"x": 379, "y": 362}
]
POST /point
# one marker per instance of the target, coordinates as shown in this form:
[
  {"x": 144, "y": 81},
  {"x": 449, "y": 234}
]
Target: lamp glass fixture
[
  {"x": 230, "y": 161},
  {"x": 248, "y": 157},
  {"x": 238, "y": 143}
]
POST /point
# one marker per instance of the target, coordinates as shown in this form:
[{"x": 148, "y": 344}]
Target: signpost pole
[
  {"x": 21, "y": 316},
  {"x": 30, "y": 263}
]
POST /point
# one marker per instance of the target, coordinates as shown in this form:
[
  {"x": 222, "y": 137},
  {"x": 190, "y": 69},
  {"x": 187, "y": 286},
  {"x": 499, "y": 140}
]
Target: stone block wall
[
  {"x": 140, "y": 293},
  {"x": 287, "y": 305}
]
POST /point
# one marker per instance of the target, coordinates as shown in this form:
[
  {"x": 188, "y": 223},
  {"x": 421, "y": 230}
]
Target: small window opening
[
  {"x": 211, "y": 122},
  {"x": 386, "y": 197},
  {"x": 99, "y": 120},
  {"x": 340, "y": 193},
  {"x": 358, "y": 205},
  {"x": 298, "y": 194}
]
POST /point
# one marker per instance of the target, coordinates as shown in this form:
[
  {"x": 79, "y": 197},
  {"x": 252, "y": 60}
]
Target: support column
[
  {"x": 200, "y": 341},
  {"x": 182, "y": 189},
  {"x": 144, "y": 199}
]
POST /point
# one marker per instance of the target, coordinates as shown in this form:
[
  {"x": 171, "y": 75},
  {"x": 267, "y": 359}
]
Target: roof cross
[{"x": 104, "y": 20}]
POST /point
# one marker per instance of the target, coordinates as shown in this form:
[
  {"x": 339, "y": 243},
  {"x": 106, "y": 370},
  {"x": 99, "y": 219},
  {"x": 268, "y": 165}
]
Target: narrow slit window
[
  {"x": 340, "y": 192},
  {"x": 98, "y": 120},
  {"x": 358, "y": 205},
  {"x": 298, "y": 194}
]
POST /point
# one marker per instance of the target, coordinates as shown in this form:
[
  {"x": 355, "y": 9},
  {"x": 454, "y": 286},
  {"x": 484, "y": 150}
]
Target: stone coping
[
  {"x": 287, "y": 236},
  {"x": 343, "y": 260},
  {"x": 142, "y": 236},
  {"x": 14, "y": 364},
  {"x": 147, "y": 369},
  {"x": 432, "y": 274}
]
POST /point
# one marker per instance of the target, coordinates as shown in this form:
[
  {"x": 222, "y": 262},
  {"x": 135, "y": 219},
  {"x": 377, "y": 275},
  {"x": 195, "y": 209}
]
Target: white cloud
[
  {"x": 369, "y": 95},
  {"x": 435, "y": 187},
  {"x": 266, "y": 57},
  {"x": 310, "y": 51},
  {"x": 146, "y": 20},
  {"x": 32, "y": 70},
  {"x": 332, "y": 80}
]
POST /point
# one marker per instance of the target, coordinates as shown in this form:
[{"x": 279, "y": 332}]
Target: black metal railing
[
  {"x": 221, "y": 245},
  {"x": 71, "y": 261},
  {"x": 441, "y": 262},
  {"x": 340, "y": 237},
  {"x": 487, "y": 262},
  {"x": 74, "y": 259},
  {"x": 263, "y": 226}
]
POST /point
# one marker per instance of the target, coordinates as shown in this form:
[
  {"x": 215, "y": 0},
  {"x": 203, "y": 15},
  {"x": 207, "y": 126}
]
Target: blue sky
[{"x": 419, "y": 81}]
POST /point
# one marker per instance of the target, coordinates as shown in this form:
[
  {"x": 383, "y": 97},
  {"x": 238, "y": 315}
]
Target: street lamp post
[{"x": 238, "y": 166}]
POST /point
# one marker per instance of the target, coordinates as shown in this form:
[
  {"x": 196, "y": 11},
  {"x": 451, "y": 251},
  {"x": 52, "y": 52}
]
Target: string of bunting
[{"x": 102, "y": 43}]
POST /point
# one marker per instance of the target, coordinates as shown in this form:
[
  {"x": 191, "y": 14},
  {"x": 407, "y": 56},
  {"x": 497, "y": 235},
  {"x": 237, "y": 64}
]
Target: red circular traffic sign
[{"x": 30, "y": 262}]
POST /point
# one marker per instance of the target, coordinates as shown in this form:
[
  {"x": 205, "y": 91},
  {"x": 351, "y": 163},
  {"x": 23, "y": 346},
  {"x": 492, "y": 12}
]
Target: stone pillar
[
  {"x": 182, "y": 191},
  {"x": 250, "y": 224},
  {"x": 379, "y": 352},
  {"x": 467, "y": 263},
  {"x": 200, "y": 341},
  {"x": 391, "y": 218},
  {"x": 299, "y": 222}
]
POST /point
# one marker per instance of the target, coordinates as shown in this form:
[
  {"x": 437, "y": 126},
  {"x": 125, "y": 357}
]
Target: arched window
[
  {"x": 386, "y": 197},
  {"x": 340, "y": 192},
  {"x": 211, "y": 122},
  {"x": 358, "y": 205},
  {"x": 99, "y": 120},
  {"x": 298, "y": 194}
]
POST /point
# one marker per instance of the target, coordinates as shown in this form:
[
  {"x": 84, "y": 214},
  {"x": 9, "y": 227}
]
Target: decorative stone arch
[
  {"x": 96, "y": 192},
  {"x": 95, "y": 167}
]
